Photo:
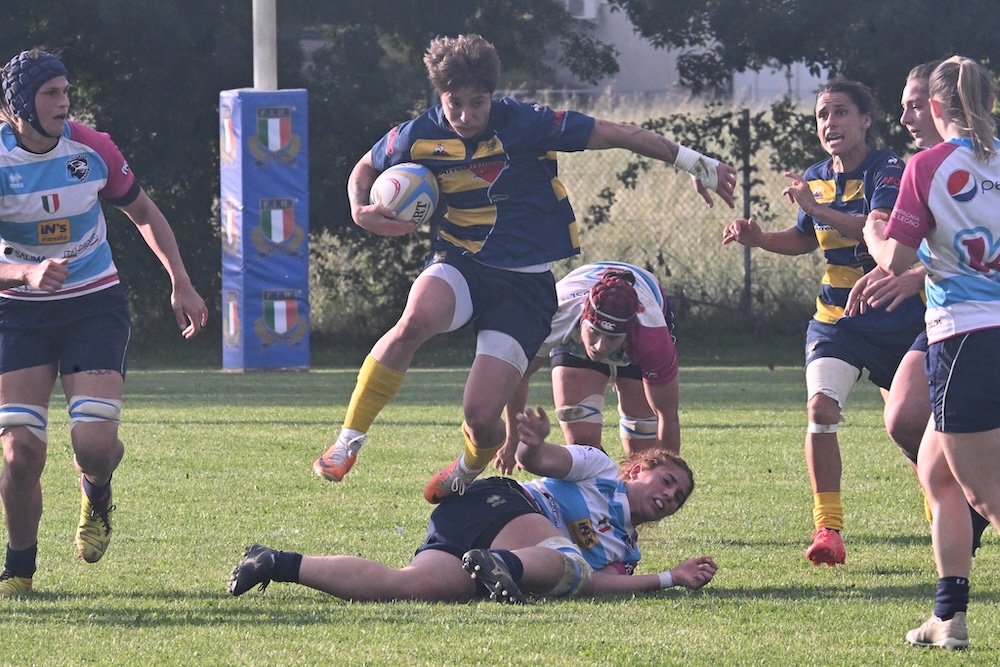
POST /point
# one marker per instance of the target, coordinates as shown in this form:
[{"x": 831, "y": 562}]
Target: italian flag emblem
[
  {"x": 50, "y": 203},
  {"x": 274, "y": 127}
]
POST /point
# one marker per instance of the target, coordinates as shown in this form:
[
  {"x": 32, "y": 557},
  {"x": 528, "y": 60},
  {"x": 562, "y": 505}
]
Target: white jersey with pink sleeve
[
  {"x": 50, "y": 207},
  {"x": 650, "y": 344},
  {"x": 949, "y": 200}
]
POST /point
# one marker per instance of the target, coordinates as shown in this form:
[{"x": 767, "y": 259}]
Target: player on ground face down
[
  {"x": 946, "y": 218},
  {"x": 571, "y": 532},
  {"x": 63, "y": 312},
  {"x": 834, "y": 196},
  {"x": 613, "y": 324},
  {"x": 506, "y": 220}
]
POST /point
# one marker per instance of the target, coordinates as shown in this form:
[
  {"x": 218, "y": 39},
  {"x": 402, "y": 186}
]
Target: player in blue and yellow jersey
[
  {"x": 834, "y": 197},
  {"x": 63, "y": 312},
  {"x": 506, "y": 219}
]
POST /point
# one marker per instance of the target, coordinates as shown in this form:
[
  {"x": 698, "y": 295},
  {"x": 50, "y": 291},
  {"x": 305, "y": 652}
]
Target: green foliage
[
  {"x": 149, "y": 73},
  {"x": 216, "y": 461},
  {"x": 873, "y": 42}
]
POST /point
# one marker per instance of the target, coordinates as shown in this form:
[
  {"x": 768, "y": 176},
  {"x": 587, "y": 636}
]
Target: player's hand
[
  {"x": 504, "y": 460},
  {"x": 695, "y": 572},
  {"x": 744, "y": 232},
  {"x": 189, "y": 309},
  {"x": 48, "y": 275},
  {"x": 725, "y": 185},
  {"x": 381, "y": 220},
  {"x": 799, "y": 193},
  {"x": 533, "y": 427}
]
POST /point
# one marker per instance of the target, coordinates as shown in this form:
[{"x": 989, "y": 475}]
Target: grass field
[{"x": 216, "y": 461}]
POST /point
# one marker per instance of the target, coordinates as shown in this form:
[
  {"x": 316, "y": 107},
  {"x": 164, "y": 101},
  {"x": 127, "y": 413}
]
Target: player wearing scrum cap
[
  {"x": 63, "y": 311},
  {"x": 613, "y": 325}
]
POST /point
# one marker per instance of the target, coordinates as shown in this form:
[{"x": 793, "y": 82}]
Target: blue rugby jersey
[
  {"x": 590, "y": 507},
  {"x": 502, "y": 198},
  {"x": 874, "y": 184},
  {"x": 50, "y": 207}
]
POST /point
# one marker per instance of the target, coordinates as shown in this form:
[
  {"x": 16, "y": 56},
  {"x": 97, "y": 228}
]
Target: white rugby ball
[{"x": 410, "y": 189}]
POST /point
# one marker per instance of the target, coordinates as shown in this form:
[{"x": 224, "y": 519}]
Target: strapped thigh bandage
[
  {"x": 589, "y": 410},
  {"x": 34, "y": 417},
  {"x": 93, "y": 409},
  {"x": 637, "y": 428},
  {"x": 577, "y": 571}
]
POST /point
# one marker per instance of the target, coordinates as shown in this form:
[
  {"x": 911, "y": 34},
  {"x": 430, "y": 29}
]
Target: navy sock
[
  {"x": 286, "y": 566},
  {"x": 952, "y": 597},
  {"x": 22, "y": 563},
  {"x": 513, "y": 563},
  {"x": 94, "y": 492}
]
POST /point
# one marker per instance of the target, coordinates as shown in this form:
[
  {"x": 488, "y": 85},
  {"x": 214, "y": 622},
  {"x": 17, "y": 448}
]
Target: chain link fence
[{"x": 638, "y": 211}]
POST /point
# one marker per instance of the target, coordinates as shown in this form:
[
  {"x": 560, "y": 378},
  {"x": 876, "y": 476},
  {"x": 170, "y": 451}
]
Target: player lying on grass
[{"x": 570, "y": 532}]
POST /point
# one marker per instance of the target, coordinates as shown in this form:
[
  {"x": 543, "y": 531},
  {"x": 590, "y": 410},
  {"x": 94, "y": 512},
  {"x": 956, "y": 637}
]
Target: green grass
[{"x": 218, "y": 460}]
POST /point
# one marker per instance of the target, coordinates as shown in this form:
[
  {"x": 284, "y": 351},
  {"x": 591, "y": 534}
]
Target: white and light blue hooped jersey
[
  {"x": 50, "y": 207},
  {"x": 590, "y": 507}
]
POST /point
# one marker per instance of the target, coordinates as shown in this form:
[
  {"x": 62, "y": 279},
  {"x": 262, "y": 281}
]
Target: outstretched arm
[
  {"x": 536, "y": 455},
  {"x": 189, "y": 307},
  {"x": 708, "y": 173},
  {"x": 691, "y": 574}
]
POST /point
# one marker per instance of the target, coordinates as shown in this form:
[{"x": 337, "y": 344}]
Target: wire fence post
[{"x": 744, "y": 129}]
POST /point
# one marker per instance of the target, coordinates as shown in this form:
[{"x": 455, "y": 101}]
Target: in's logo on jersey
[
  {"x": 961, "y": 186},
  {"x": 77, "y": 168},
  {"x": 53, "y": 232},
  {"x": 50, "y": 203}
]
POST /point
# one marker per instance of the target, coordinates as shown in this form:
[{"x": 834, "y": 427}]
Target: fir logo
[
  {"x": 274, "y": 139},
  {"x": 50, "y": 203},
  {"x": 231, "y": 320},
  {"x": 281, "y": 321},
  {"x": 277, "y": 231},
  {"x": 978, "y": 252},
  {"x": 228, "y": 144},
  {"x": 230, "y": 226}
]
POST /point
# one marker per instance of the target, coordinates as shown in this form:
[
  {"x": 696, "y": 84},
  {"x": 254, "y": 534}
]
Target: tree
[
  {"x": 873, "y": 42},
  {"x": 150, "y": 72}
]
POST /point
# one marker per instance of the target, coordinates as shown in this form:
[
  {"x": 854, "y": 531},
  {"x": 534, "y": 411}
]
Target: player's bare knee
[{"x": 823, "y": 409}]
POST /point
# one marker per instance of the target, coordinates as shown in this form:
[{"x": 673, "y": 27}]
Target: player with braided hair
[{"x": 613, "y": 325}]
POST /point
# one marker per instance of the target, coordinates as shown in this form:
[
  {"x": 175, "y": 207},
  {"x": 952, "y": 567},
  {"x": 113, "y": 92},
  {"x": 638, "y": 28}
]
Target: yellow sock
[
  {"x": 827, "y": 510},
  {"x": 376, "y": 386},
  {"x": 477, "y": 458},
  {"x": 927, "y": 508}
]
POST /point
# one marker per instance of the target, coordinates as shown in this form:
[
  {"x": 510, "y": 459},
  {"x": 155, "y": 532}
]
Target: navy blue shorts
[
  {"x": 83, "y": 333},
  {"x": 920, "y": 344},
  {"x": 520, "y": 305},
  {"x": 964, "y": 373},
  {"x": 880, "y": 353},
  {"x": 473, "y": 520},
  {"x": 560, "y": 358}
]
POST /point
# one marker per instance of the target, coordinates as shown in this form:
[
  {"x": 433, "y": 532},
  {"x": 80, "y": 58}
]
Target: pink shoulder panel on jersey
[
  {"x": 652, "y": 349},
  {"x": 911, "y": 218},
  {"x": 120, "y": 176}
]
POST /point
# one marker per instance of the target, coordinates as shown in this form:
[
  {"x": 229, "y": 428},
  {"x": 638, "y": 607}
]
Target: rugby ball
[{"x": 409, "y": 189}]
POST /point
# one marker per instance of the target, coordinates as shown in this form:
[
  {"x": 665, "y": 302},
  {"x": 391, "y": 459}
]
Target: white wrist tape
[
  {"x": 666, "y": 579},
  {"x": 700, "y": 166}
]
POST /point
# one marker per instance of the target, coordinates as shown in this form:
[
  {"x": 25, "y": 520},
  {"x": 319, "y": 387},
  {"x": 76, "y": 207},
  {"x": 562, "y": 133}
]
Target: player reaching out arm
[{"x": 507, "y": 221}]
